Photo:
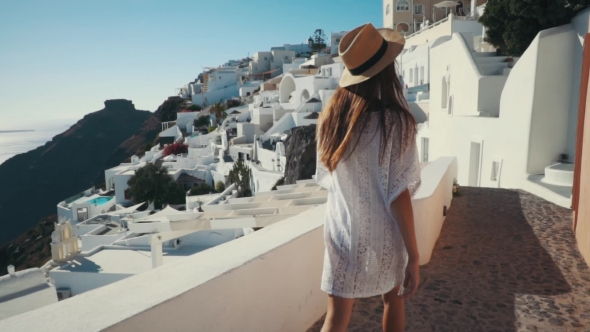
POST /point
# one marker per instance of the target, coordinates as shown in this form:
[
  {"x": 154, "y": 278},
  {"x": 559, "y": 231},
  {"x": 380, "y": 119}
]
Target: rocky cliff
[
  {"x": 300, "y": 148},
  {"x": 32, "y": 183}
]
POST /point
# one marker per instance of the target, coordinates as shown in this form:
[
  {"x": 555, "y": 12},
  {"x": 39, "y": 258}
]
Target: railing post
[{"x": 156, "y": 249}]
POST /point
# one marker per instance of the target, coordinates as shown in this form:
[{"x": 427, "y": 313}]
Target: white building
[
  {"x": 335, "y": 38},
  {"x": 270, "y": 63},
  {"x": 510, "y": 124},
  {"x": 85, "y": 205},
  {"x": 24, "y": 291}
]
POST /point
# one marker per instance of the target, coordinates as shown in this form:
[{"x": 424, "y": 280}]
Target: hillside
[
  {"x": 31, "y": 249},
  {"x": 32, "y": 183}
]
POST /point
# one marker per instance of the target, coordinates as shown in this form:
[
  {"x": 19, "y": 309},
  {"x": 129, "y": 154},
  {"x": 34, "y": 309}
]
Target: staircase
[{"x": 490, "y": 64}]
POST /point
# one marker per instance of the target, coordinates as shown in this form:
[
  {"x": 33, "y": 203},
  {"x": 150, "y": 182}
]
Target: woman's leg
[
  {"x": 394, "y": 314},
  {"x": 338, "y": 315}
]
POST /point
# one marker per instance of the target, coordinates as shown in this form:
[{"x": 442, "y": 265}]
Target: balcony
[{"x": 505, "y": 260}]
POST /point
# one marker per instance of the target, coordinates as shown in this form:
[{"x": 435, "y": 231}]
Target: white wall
[
  {"x": 182, "y": 119},
  {"x": 247, "y": 277},
  {"x": 428, "y": 202},
  {"x": 553, "y": 89},
  {"x": 91, "y": 241},
  {"x": 217, "y": 95},
  {"x": 264, "y": 180},
  {"x": 120, "y": 181},
  {"x": 581, "y": 24}
]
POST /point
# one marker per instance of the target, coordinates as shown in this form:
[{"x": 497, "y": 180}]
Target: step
[
  {"x": 493, "y": 59},
  {"x": 559, "y": 174},
  {"x": 489, "y": 69}
]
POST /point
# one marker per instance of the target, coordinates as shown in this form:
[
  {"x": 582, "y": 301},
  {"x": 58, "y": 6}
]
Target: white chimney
[{"x": 11, "y": 270}]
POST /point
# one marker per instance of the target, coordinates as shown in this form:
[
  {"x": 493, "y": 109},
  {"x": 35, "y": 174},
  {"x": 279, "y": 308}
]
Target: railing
[{"x": 428, "y": 27}]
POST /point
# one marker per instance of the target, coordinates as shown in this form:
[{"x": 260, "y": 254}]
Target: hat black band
[{"x": 372, "y": 61}]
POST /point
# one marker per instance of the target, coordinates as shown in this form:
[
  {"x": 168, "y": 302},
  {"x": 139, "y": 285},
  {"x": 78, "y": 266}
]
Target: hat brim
[{"x": 395, "y": 46}]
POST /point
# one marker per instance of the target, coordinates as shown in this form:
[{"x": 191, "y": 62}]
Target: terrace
[{"x": 505, "y": 260}]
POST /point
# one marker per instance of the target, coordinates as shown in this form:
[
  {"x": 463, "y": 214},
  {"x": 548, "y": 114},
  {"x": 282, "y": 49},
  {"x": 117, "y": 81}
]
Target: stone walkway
[{"x": 505, "y": 261}]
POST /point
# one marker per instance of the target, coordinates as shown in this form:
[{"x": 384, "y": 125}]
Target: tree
[
  {"x": 194, "y": 108},
  {"x": 175, "y": 148},
  {"x": 218, "y": 109},
  {"x": 201, "y": 189},
  {"x": 219, "y": 187},
  {"x": 241, "y": 175},
  {"x": 153, "y": 184},
  {"x": 513, "y": 24},
  {"x": 318, "y": 40},
  {"x": 202, "y": 121},
  {"x": 279, "y": 182}
]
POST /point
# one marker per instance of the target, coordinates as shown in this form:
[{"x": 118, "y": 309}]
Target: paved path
[{"x": 505, "y": 261}]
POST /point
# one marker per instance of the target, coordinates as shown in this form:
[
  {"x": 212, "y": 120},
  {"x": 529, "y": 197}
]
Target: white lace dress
[{"x": 365, "y": 253}]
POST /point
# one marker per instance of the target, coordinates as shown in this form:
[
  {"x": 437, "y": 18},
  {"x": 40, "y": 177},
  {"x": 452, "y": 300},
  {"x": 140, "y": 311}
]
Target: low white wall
[
  {"x": 420, "y": 110},
  {"x": 65, "y": 213},
  {"x": 264, "y": 180},
  {"x": 434, "y": 31},
  {"x": 429, "y": 201},
  {"x": 90, "y": 242},
  {"x": 266, "y": 281}
]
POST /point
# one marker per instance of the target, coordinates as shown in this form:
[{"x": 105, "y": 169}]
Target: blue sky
[{"x": 61, "y": 59}]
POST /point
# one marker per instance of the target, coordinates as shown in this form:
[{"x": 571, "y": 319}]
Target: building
[
  {"x": 408, "y": 15},
  {"x": 85, "y": 205}
]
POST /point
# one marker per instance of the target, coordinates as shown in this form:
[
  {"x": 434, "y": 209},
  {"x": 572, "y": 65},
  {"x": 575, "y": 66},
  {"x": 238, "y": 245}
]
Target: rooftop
[{"x": 125, "y": 261}]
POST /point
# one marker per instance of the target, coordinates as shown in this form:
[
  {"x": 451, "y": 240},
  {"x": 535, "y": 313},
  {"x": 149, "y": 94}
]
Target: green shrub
[{"x": 219, "y": 186}]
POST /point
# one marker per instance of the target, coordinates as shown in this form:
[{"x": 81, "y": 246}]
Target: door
[
  {"x": 82, "y": 214},
  {"x": 474, "y": 164},
  {"x": 425, "y": 144}
]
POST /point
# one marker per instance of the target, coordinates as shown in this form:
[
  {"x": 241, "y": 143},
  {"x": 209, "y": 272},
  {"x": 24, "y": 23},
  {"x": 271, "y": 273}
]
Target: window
[
  {"x": 418, "y": 9},
  {"x": 425, "y": 143},
  {"x": 403, "y": 6},
  {"x": 411, "y": 75},
  {"x": 387, "y": 9},
  {"x": 422, "y": 75}
]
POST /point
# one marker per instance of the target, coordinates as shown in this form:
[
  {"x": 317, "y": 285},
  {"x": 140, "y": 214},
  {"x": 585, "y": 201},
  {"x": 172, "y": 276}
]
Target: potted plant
[{"x": 456, "y": 188}]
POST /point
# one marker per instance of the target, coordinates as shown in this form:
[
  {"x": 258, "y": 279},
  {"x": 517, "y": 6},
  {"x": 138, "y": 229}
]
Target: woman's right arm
[{"x": 401, "y": 209}]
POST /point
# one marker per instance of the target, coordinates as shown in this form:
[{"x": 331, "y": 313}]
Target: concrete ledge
[{"x": 267, "y": 281}]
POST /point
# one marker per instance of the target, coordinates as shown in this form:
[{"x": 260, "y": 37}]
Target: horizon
[{"x": 62, "y": 60}]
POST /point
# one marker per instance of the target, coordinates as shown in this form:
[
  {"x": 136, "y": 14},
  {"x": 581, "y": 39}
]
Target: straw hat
[{"x": 366, "y": 51}]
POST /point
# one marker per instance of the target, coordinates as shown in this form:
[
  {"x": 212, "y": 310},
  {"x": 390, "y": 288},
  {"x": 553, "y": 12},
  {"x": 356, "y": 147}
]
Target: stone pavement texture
[{"x": 506, "y": 260}]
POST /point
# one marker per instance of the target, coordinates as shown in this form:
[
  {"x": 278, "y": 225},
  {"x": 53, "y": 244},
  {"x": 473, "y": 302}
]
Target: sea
[{"x": 13, "y": 142}]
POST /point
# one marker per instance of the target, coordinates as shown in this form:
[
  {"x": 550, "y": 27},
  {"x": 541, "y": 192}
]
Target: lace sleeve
[
  {"x": 404, "y": 171},
  {"x": 322, "y": 176}
]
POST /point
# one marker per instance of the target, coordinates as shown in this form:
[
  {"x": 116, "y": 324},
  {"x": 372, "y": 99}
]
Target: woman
[{"x": 367, "y": 160}]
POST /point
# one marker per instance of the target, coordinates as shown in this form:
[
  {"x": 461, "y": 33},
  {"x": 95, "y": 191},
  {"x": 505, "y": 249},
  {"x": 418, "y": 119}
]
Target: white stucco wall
[
  {"x": 551, "y": 103},
  {"x": 217, "y": 95}
]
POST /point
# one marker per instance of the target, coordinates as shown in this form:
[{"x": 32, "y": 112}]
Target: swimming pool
[{"x": 100, "y": 200}]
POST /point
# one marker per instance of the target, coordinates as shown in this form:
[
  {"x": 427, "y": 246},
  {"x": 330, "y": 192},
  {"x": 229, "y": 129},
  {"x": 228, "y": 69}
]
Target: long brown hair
[{"x": 348, "y": 111}]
